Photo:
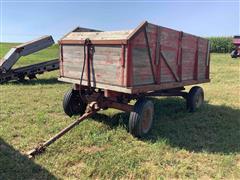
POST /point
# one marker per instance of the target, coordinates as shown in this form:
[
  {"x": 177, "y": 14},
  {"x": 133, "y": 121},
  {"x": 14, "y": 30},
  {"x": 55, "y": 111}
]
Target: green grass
[{"x": 182, "y": 145}]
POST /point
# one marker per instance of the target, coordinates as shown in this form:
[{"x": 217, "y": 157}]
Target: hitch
[{"x": 92, "y": 108}]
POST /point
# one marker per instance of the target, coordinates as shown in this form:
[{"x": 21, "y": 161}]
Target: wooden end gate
[{"x": 109, "y": 69}]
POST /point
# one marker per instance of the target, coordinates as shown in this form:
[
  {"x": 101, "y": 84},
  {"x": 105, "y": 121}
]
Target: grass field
[{"x": 182, "y": 145}]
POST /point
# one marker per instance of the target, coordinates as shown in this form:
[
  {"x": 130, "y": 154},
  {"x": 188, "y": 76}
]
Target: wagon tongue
[{"x": 91, "y": 109}]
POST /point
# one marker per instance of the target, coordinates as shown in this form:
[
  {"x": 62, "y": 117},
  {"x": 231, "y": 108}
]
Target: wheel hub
[
  {"x": 147, "y": 119},
  {"x": 199, "y": 100}
]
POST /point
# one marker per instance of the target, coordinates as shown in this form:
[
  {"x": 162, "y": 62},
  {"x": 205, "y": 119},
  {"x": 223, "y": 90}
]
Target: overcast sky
[{"x": 24, "y": 20}]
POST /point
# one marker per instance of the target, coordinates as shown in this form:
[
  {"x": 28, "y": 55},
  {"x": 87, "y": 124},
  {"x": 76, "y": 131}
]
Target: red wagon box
[
  {"x": 147, "y": 58},
  {"x": 113, "y": 67}
]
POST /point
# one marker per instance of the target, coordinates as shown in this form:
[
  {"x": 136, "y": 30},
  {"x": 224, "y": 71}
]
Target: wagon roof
[{"x": 107, "y": 35}]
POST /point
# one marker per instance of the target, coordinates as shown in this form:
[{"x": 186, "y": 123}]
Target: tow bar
[{"x": 92, "y": 108}]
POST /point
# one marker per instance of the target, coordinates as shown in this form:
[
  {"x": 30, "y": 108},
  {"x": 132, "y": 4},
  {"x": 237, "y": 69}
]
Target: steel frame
[{"x": 99, "y": 100}]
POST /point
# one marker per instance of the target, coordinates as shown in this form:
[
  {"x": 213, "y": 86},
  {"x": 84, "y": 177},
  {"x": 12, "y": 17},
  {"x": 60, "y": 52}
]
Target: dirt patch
[
  {"x": 78, "y": 166},
  {"x": 93, "y": 149},
  {"x": 238, "y": 161}
]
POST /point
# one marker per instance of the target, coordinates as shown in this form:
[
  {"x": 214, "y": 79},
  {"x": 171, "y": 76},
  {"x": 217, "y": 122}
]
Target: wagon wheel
[
  {"x": 141, "y": 120},
  {"x": 73, "y": 104},
  {"x": 21, "y": 78},
  {"x": 195, "y": 98},
  {"x": 234, "y": 54}
]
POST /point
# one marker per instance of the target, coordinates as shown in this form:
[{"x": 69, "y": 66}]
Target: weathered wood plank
[
  {"x": 141, "y": 67},
  {"x": 107, "y": 35},
  {"x": 106, "y": 63}
]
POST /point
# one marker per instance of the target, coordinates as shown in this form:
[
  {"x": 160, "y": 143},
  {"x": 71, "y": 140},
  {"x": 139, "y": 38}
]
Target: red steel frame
[
  {"x": 129, "y": 65},
  {"x": 196, "y": 62},
  {"x": 61, "y": 61},
  {"x": 179, "y": 56},
  {"x": 122, "y": 63}
]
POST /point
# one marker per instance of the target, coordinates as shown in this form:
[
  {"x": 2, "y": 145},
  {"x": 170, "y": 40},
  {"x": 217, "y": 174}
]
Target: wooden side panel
[
  {"x": 189, "y": 46},
  {"x": 105, "y": 67},
  {"x": 169, "y": 48},
  {"x": 165, "y": 73},
  {"x": 142, "y": 73},
  {"x": 202, "y": 58},
  {"x": 176, "y": 56},
  {"x": 152, "y": 33},
  {"x": 141, "y": 68}
]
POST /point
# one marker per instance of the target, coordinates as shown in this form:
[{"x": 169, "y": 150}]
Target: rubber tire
[
  {"x": 136, "y": 118},
  {"x": 21, "y": 78},
  {"x": 73, "y": 103},
  {"x": 193, "y": 97},
  {"x": 234, "y": 54}
]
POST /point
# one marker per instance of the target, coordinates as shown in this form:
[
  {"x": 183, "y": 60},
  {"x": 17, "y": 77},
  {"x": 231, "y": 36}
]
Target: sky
[{"x": 25, "y": 20}]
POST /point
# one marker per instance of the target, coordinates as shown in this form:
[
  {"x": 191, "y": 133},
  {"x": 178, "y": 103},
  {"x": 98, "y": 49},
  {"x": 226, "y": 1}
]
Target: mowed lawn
[{"x": 182, "y": 145}]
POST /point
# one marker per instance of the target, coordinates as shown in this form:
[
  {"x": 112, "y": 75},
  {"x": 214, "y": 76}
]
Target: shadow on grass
[
  {"x": 13, "y": 165},
  {"x": 27, "y": 82},
  {"x": 213, "y": 128}
]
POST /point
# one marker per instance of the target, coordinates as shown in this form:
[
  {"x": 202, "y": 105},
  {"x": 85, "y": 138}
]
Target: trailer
[
  {"x": 29, "y": 71},
  {"x": 109, "y": 69},
  {"x": 15, "y": 53},
  {"x": 236, "y": 52}
]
